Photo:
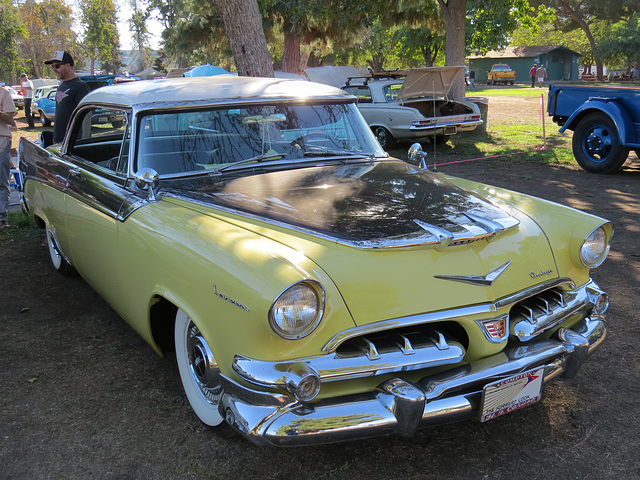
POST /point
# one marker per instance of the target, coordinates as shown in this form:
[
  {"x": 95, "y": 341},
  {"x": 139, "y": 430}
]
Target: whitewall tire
[{"x": 198, "y": 370}]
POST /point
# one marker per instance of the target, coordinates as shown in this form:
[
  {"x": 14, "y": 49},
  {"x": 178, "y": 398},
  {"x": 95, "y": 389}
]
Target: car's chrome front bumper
[{"x": 399, "y": 407}]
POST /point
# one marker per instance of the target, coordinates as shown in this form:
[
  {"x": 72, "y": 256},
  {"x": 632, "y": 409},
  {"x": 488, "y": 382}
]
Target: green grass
[
  {"x": 514, "y": 139},
  {"x": 513, "y": 143},
  {"x": 21, "y": 225},
  {"x": 507, "y": 91}
]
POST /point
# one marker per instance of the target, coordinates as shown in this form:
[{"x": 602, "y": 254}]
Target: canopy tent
[
  {"x": 149, "y": 73},
  {"x": 204, "y": 71}
]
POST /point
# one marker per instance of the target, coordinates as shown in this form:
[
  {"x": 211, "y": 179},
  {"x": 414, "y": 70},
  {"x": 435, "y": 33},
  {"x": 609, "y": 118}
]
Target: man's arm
[{"x": 7, "y": 117}]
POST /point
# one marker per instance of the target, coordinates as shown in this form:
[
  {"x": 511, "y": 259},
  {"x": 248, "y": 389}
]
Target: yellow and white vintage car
[{"x": 312, "y": 288}]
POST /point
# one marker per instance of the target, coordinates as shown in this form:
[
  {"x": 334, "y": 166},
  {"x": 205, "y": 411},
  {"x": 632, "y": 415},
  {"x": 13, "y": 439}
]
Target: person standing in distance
[
  {"x": 532, "y": 74},
  {"x": 70, "y": 91},
  {"x": 27, "y": 93},
  {"x": 7, "y": 112},
  {"x": 541, "y": 73}
]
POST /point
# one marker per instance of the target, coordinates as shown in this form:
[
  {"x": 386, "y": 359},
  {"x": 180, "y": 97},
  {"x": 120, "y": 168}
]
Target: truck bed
[{"x": 566, "y": 99}]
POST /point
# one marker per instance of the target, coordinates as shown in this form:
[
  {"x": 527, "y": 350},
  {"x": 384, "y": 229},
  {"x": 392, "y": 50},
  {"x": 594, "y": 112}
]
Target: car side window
[
  {"x": 391, "y": 92},
  {"x": 101, "y": 136},
  {"x": 363, "y": 92}
]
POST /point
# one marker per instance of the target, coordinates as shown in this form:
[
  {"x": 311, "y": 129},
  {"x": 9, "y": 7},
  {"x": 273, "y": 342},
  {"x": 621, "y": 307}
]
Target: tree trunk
[
  {"x": 291, "y": 58},
  {"x": 243, "y": 24},
  {"x": 455, "y": 12}
]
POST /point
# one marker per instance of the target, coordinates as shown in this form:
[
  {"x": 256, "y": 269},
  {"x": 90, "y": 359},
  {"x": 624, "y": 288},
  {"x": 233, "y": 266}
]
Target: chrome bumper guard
[{"x": 399, "y": 407}]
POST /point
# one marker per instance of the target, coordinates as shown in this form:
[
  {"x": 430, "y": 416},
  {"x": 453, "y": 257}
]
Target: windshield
[{"x": 215, "y": 139}]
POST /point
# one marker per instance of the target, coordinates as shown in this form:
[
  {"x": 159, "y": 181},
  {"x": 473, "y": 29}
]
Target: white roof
[
  {"x": 331, "y": 75},
  {"x": 217, "y": 89}
]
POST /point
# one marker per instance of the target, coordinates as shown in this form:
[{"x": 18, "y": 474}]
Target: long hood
[
  {"x": 438, "y": 235},
  {"x": 366, "y": 204}
]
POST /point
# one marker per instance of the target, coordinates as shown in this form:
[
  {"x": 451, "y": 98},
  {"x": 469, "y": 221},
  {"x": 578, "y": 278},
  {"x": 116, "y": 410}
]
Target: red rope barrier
[{"x": 535, "y": 149}]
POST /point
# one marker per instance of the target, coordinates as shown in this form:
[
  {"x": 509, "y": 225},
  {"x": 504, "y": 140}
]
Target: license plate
[
  {"x": 102, "y": 119},
  {"x": 510, "y": 394},
  {"x": 450, "y": 130}
]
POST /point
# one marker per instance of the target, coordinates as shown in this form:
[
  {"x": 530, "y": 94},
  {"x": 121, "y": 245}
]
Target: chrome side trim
[{"x": 397, "y": 406}]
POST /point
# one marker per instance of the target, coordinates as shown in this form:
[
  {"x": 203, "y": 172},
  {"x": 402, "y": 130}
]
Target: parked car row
[{"x": 18, "y": 99}]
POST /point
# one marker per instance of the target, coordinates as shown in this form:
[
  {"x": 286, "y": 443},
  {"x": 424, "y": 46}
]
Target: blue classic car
[
  {"x": 45, "y": 108},
  {"x": 39, "y": 94}
]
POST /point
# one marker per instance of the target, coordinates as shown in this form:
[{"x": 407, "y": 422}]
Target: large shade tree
[
  {"x": 10, "y": 30},
  {"x": 589, "y": 15},
  {"x": 243, "y": 24},
  {"x": 48, "y": 24},
  {"x": 100, "y": 38},
  {"x": 139, "y": 36}
]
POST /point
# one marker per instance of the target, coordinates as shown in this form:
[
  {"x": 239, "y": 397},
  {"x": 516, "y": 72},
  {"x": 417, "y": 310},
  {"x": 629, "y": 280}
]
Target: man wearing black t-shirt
[{"x": 70, "y": 92}]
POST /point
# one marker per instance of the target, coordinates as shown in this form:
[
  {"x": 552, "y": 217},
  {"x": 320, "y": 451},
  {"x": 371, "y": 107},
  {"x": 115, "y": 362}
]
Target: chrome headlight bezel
[
  {"x": 306, "y": 299},
  {"x": 595, "y": 247}
]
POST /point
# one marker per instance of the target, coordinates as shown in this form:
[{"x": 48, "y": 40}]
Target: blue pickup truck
[{"x": 605, "y": 121}]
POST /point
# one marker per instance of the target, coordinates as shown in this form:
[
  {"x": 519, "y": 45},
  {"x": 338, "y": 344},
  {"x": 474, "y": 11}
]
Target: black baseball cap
[{"x": 60, "y": 56}]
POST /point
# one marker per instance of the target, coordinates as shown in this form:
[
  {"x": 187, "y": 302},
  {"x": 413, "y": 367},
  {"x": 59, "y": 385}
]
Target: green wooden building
[{"x": 561, "y": 63}]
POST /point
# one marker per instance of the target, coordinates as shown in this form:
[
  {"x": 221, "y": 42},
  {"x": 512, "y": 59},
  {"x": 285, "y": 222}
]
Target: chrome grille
[
  {"x": 406, "y": 341},
  {"x": 535, "y": 315}
]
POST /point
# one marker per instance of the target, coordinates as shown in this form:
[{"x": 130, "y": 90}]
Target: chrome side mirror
[
  {"x": 418, "y": 156},
  {"x": 147, "y": 179}
]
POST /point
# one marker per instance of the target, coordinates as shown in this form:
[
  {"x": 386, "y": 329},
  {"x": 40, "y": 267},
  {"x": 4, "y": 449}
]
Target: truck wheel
[
  {"x": 596, "y": 145},
  {"x": 384, "y": 137}
]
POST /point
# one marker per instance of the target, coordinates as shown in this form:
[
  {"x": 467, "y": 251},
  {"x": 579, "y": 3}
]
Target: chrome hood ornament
[{"x": 484, "y": 281}]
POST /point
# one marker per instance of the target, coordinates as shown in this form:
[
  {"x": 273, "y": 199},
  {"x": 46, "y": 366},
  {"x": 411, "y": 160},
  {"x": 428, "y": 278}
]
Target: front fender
[
  {"x": 224, "y": 274},
  {"x": 611, "y": 108}
]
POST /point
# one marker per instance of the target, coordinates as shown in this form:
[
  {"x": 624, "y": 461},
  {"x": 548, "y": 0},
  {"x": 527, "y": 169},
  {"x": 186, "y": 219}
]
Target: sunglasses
[{"x": 57, "y": 65}]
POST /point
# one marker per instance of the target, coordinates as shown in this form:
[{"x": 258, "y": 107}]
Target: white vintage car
[{"x": 413, "y": 105}]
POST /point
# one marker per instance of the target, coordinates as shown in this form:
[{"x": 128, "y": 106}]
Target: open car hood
[{"x": 428, "y": 82}]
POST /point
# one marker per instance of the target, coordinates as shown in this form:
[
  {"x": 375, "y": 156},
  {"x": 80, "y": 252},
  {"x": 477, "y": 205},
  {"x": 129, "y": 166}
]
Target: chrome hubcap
[{"x": 203, "y": 366}]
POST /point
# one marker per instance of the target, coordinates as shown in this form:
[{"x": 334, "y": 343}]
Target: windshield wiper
[
  {"x": 257, "y": 158},
  {"x": 335, "y": 153}
]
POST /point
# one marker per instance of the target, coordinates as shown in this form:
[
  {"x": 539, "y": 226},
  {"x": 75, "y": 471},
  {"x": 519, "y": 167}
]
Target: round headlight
[
  {"x": 594, "y": 249},
  {"x": 298, "y": 310}
]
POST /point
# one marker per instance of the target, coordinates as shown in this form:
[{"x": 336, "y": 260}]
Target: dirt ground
[{"x": 82, "y": 396}]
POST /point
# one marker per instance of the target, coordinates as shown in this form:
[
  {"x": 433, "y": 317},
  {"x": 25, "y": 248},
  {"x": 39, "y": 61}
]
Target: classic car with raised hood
[
  {"x": 413, "y": 105},
  {"x": 312, "y": 288}
]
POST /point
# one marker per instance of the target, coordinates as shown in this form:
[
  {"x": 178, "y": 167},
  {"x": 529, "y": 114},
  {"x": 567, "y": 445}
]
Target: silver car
[
  {"x": 18, "y": 100},
  {"x": 412, "y": 105}
]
